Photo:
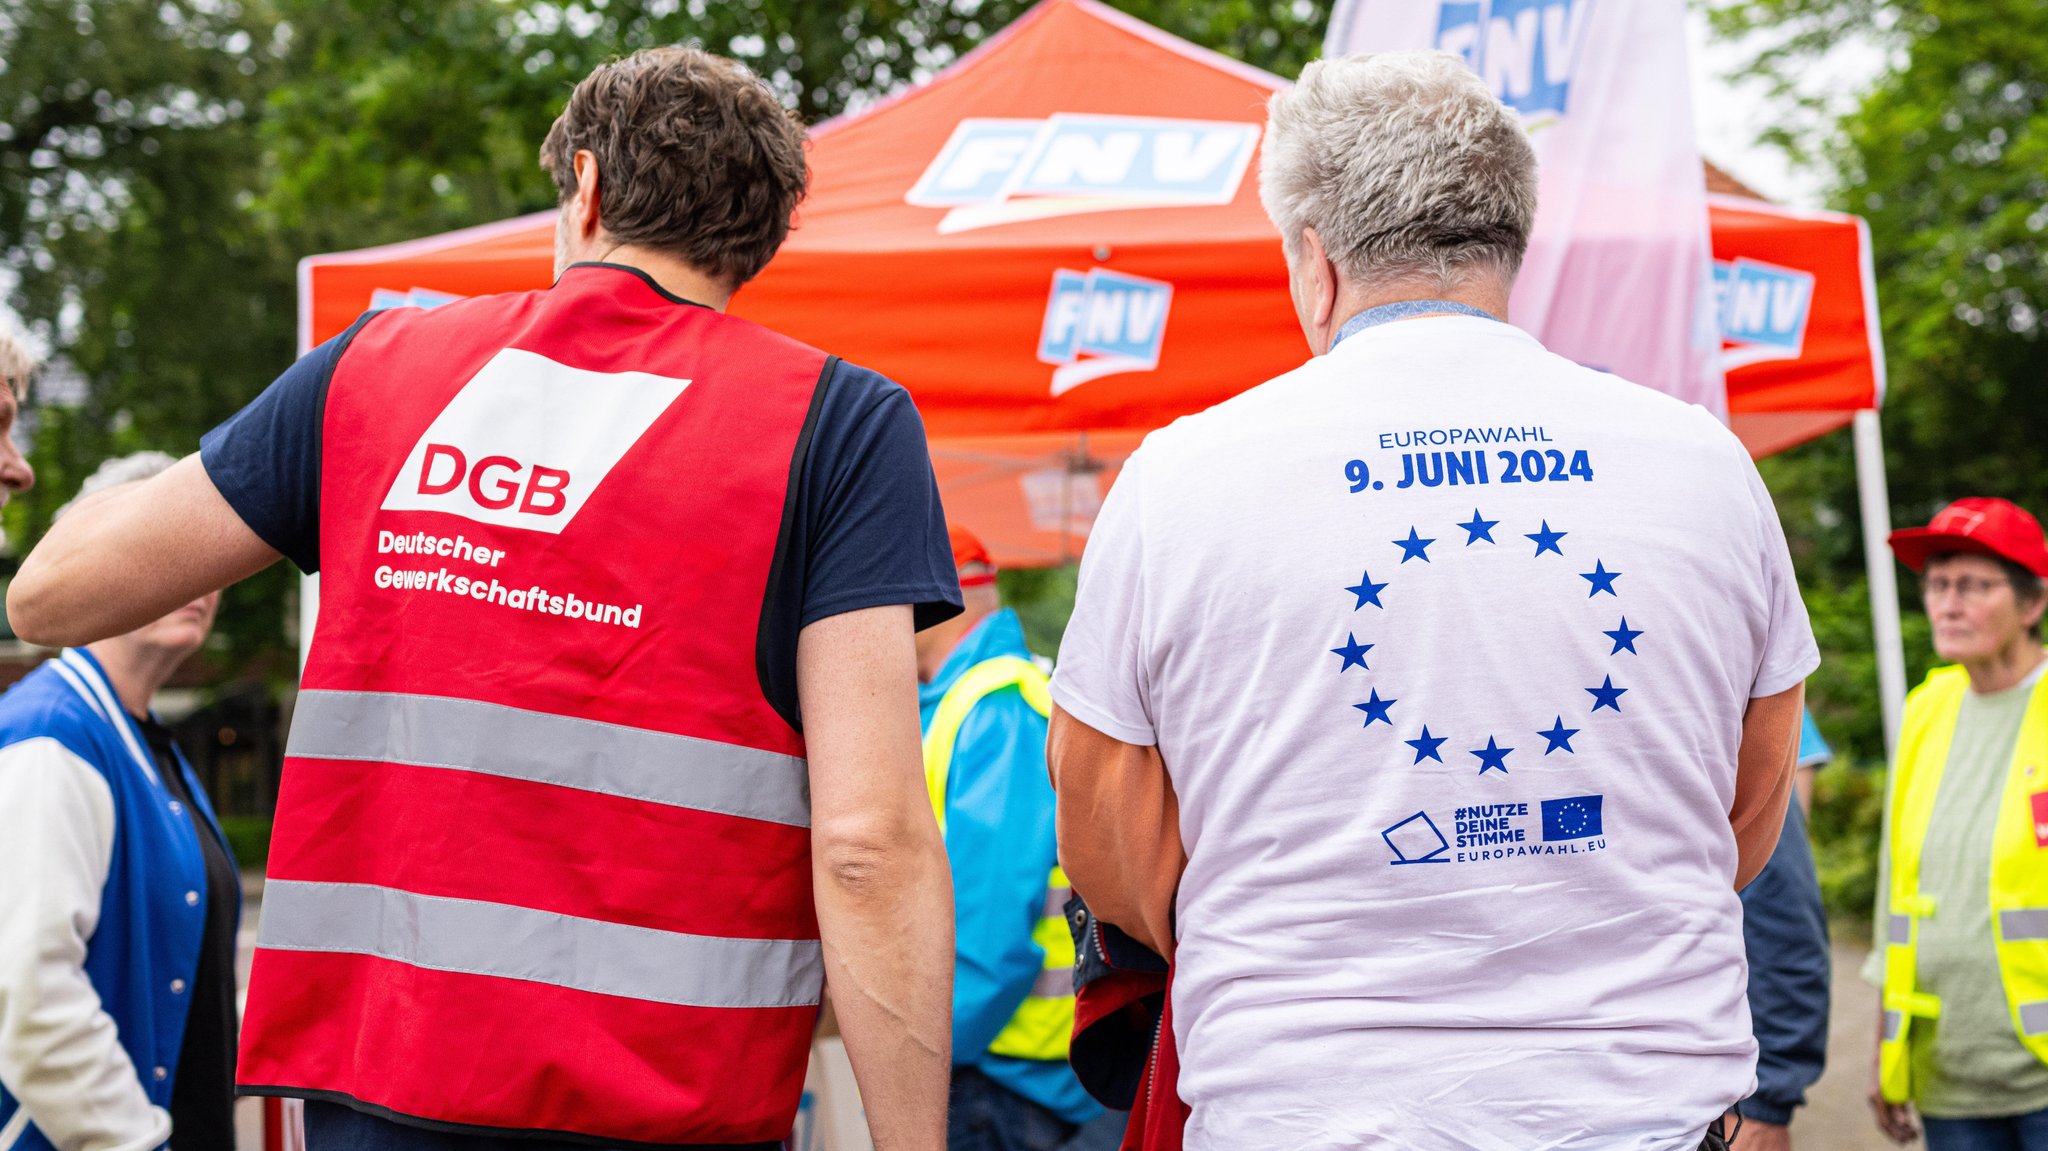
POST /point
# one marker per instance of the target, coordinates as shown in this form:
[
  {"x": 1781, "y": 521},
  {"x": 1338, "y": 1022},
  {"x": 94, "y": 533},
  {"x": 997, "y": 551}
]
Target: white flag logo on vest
[{"x": 526, "y": 441}]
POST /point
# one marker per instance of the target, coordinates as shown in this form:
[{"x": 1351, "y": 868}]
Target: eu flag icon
[{"x": 1573, "y": 818}]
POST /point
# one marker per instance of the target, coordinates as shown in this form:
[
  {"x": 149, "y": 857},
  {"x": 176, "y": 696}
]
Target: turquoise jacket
[{"x": 999, "y": 839}]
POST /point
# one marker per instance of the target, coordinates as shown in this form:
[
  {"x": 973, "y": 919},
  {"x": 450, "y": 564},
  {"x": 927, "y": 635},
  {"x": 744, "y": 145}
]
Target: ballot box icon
[{"x": 1416, "y": 840}]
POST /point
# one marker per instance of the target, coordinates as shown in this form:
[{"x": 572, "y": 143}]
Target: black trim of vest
[
  {"x": 320, "y": 411},
  {"x": 400, "y": 1117},
  {"x": 664, "y": 293},
  {"x": 780, "y": 563}
]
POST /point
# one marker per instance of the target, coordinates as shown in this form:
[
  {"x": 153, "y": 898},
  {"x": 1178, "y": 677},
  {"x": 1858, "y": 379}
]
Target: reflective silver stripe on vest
[
  {"x": 1058, "y": 983},
  {"x": 2023, "y": 923},
  {"x": 1056, "y": 902},
  {"x": 1893, "y": 1020},
  {"x": 2034, "y": 1017},
  {"x": 610, "y": 759},
  {"x": 498, "y": 939},
  {"x": 1901, "y": 929}
]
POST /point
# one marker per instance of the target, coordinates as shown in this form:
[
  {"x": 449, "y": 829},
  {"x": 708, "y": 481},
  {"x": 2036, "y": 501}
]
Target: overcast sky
[{"x": 1730, "y": 114}]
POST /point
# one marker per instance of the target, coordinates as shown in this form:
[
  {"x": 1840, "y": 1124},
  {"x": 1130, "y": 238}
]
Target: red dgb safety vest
[{"x": 542, "y": 853}]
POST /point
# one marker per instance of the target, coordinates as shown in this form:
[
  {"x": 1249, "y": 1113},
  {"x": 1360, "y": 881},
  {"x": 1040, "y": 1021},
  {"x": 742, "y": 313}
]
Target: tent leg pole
[{"x": 1875, "y": 501}]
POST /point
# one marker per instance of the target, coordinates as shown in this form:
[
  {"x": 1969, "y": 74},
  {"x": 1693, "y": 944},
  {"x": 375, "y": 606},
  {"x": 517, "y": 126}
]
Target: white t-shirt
[{"x": 1446, "y": 643}]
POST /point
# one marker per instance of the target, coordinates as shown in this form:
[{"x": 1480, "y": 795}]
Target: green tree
[
  {"x": 408, "y": 117},
  {"x": 127, "y": 154},
  {"x": 1947, "y": 157},
  {"x": 164, "y": 164}
]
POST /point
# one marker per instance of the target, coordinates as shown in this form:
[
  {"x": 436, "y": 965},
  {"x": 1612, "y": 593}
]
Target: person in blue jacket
[
  {"x": 119, "y": 902},
  {"x": 1785, "y": 933},
  {"x": 984, "y": 702}
]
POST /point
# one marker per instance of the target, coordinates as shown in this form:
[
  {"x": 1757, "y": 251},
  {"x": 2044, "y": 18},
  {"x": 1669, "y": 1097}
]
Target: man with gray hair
[{"x": 1428, "y": 705}]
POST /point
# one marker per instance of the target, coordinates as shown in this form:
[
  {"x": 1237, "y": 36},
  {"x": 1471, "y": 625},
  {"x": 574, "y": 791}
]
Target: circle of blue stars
[{"x": 1492, "y": 757}]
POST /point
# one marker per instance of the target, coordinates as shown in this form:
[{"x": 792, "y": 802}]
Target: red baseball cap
[
  {"x": 971, "y": 558},
  {"x": 1978, "y": 524}
]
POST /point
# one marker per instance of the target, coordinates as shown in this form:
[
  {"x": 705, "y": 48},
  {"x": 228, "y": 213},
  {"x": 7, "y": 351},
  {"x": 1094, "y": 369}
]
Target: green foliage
[
  {"x": 1947, "y": 158},
  {"x": 1043, "y": 599},
  {"x": 164, "y": 163},
  {"x": 127, "y": 144},
  {"x": 1847, "y": 817},
  {"x": 249, "y": 838}
]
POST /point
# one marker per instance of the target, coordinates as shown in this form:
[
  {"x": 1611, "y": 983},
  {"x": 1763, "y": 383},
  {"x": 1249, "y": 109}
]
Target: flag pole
[{"x": 1875, "y": 500}]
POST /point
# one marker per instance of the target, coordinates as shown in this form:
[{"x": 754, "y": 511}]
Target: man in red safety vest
[{"x": 606, "y": 755}]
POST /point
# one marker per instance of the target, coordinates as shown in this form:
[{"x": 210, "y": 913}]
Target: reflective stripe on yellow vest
[
  {"x": 2019, "y": 873},
  {"x": 1045, "y": 1021}
]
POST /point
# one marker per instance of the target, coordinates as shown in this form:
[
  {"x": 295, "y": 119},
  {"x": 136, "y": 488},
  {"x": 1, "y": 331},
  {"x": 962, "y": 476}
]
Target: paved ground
[
  {"x": 1835, "y": 1118},
  {"x": 248, "y": 1112}
]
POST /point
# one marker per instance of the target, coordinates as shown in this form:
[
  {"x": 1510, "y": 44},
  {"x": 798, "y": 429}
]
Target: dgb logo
[
  {"x": 1002, "y": 171},
  {"x": 1102, "y": 323},
  {"x": 1763, "y": 310},
  {"x": 1523, "y": 49},
  {"x": 526, "y": 441}
]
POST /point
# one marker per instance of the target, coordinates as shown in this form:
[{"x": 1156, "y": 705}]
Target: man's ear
[
  {"x": 584, "y": 214},
  {"x": 1322, "y": 280}
]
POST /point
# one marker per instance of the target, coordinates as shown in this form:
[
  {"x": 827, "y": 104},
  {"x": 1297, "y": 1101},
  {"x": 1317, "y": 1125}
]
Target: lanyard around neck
[{"x": 1406, "y": 309}]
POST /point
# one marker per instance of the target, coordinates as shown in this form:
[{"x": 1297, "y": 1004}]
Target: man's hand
[
  {"x": 131, "y": 555},
  {"x": 1896, "y": 1120},
  {"x": 878, "y": 864},
  {"x": 1758, "y": 1136}
]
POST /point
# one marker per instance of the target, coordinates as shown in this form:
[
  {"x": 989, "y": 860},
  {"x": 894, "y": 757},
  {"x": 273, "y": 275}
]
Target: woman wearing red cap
[{"x": 1962, "y": 914}]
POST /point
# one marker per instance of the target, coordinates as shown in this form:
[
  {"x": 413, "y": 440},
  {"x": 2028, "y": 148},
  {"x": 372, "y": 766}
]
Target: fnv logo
[
  {"x": 994, "y": 172},
  {"x": 1523, "y": 49},
  {"x": 1763, "y": 309},
  {"x": 1102, "y": 323},
  {"x": 526, "y": 441}
]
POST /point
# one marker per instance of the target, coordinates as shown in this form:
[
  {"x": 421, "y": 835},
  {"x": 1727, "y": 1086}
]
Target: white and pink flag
[{"x": 1619, "y": 272}]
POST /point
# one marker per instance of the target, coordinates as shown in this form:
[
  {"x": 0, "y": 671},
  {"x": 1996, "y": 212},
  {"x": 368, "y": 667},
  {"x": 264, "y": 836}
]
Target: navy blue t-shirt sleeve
[
  {"x": 265, "y": 459},
  {"x": 876, "y": 532},
  {"x": 866, "y": 529}
]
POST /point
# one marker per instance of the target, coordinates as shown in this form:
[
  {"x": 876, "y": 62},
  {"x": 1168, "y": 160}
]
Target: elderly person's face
[
  {"x": 15, "y": 474},
  {"x": 1974, "y": 607},
  {"x": 181, "y": 632}
]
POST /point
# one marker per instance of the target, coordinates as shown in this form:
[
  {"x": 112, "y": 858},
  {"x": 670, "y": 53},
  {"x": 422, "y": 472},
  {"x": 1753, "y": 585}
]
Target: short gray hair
[
  {"x": 1404, "y": 163},
  {"x": 17, "y": 363},
  {"x": 129, "y": 469}
]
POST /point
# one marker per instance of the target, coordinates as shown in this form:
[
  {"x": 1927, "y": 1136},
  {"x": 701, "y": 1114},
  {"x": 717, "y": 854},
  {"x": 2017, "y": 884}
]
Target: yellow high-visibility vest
[
  {"x": 2019, "y": 873},
  {"x": 1044, "y": 1023}
]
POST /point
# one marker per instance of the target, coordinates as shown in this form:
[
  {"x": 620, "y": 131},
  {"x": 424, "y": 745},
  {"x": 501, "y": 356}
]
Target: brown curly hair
[{"x": 695, "y": 157}]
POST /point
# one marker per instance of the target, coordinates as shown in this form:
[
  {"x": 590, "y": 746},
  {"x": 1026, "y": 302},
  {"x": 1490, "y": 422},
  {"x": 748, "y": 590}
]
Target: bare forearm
[
  {"x": 1765, "y": 765},
  {"x": 132, "y": 555},
  {"x": 1119, "y": 829},
  {"x": 886, "y": 914},
  {"x": 884, "y": 896}
]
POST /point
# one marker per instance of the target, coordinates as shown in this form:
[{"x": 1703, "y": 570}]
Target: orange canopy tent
[{"x": 1056, "y": 245}]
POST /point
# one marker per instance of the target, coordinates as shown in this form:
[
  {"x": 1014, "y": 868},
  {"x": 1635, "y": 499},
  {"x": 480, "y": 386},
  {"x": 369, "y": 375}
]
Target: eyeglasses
[{"x": 1968, "y": 588}]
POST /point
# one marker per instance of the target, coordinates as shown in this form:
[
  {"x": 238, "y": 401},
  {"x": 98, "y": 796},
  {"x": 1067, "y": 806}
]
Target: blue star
[
  {"x": 1367, "y": 592},
  {"x": 1425, "y": 748},
  {"x": 1478, "y": 529},
  {"x": 1492, "y": 757},
  {"x": 1353, "y": 653},
  {"x": 1607, "y": 695},
  {"x": 1601, "y": 579},
  {"x": 1546, "y": 540},
  {"x": 1559, "y": 736},
  {"x": 1624, "y": 637},
  {"x": 1414, "y": 547},
  {"x": 1375, "y": 709}
]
